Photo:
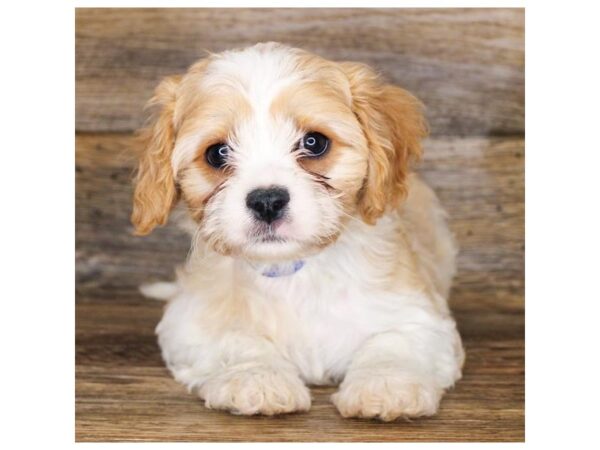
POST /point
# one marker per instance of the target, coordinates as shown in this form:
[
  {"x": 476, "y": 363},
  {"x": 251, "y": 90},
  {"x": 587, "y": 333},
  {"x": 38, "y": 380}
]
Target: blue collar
[{"x": 283, "y": 269}]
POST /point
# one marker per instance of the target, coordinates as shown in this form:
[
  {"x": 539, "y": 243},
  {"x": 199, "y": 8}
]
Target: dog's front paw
[
  {"x": 386, "y": 397},
  {"x": 256, "y": 391}
]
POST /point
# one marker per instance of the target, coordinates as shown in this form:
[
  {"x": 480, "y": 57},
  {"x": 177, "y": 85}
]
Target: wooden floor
[{"x": 124, "y": 392}]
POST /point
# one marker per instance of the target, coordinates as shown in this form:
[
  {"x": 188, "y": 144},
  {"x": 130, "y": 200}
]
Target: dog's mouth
[
  {"x": 269, "y": 238},
  {"x": 267, "y": 233},
  {"x": 276, "y": 242},
  {"x": 272, "y": 238}
]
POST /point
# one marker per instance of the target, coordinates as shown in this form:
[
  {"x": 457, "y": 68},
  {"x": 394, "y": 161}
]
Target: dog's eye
[
  {"x": 314, "y": 144},
  {"x": 216, "y": 155}
]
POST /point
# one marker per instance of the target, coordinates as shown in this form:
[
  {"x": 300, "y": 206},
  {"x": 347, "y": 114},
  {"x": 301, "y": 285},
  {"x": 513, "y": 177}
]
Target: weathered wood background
[{"x": 465, "y": 64}]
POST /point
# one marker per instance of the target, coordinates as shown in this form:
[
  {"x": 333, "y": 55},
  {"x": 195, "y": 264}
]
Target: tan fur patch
[
  {"x": 394, "y": 125},
  {"x": 216, "y": 113},
  {"x": 322, "y": 104},
  {"x": 155, "y": 191}
]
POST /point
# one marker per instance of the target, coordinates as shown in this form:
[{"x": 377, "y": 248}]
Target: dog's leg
[
  {"x": 402, "y": 373},
  {"x": 238, "y": 372},
  {"x": 257, "y": 387}
]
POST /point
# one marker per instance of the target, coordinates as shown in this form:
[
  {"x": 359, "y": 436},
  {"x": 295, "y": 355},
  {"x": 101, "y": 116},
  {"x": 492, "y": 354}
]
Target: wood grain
[
  {"x": 124, "y": 392},
  {"x": 465, "y": 64}
]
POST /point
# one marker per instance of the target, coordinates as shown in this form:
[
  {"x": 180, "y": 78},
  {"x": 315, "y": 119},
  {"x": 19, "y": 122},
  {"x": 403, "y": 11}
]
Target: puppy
[{"x": 317, "y": 257}]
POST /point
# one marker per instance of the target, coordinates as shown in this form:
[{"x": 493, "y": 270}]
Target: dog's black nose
[{"x": 268, "y": 204}]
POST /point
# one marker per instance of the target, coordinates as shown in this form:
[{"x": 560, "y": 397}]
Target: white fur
[
  {"x": 356, "y": 313},
  {"x": 326, "y": 323}
]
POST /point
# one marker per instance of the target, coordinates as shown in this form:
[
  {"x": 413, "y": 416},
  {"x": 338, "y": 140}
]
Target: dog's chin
[{"x": 273, "y": 248}]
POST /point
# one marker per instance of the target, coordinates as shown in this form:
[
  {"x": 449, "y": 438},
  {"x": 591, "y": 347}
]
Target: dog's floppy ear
[
  {"x": 393, "y": 124},
  {"x": 155, "y": 190}
]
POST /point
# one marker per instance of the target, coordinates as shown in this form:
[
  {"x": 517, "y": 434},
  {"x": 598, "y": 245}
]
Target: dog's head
[{"x": 274, "y": 149}]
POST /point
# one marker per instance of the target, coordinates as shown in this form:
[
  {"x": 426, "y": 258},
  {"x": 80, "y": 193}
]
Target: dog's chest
[{"x": 321, "y": 325}]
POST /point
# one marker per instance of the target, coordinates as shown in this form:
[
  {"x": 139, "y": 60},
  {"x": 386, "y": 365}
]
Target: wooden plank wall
[{"x": 465, "y": 64}]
